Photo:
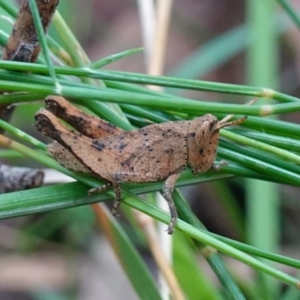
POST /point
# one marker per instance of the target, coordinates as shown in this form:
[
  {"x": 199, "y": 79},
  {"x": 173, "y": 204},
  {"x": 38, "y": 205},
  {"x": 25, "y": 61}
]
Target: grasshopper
[{"x": 154, "y": 153}]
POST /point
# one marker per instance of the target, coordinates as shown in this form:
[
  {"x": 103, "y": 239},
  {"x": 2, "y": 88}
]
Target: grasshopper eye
[{"x": 213, "y": 125}]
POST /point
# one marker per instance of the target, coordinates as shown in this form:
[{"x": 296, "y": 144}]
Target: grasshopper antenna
[{"x": 224, "y": 122}]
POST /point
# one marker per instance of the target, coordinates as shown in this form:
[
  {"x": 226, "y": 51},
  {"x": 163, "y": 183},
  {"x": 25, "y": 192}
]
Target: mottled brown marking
[{"x": 98, "y": 145}]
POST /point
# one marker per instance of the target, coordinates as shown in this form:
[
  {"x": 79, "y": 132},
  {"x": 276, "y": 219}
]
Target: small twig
[
  {"x": 17, "y": 179},
  {"x": 23, "y": 43}
]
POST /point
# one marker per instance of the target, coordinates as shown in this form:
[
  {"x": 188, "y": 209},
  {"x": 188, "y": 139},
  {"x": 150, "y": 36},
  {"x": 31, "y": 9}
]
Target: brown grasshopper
[{"x": 153, "y": 153}]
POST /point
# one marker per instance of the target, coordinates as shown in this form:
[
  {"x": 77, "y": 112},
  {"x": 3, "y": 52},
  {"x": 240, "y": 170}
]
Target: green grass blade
[
  {"x": 42, "y": 39},
  {"x": 192, "y": 278},
  {"x": 74, "y": 194},
  {"x": 113, "y": 58}
]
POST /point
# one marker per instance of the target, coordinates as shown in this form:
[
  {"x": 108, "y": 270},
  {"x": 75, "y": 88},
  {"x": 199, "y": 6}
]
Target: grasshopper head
[{"x": 203, "y": 138}]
